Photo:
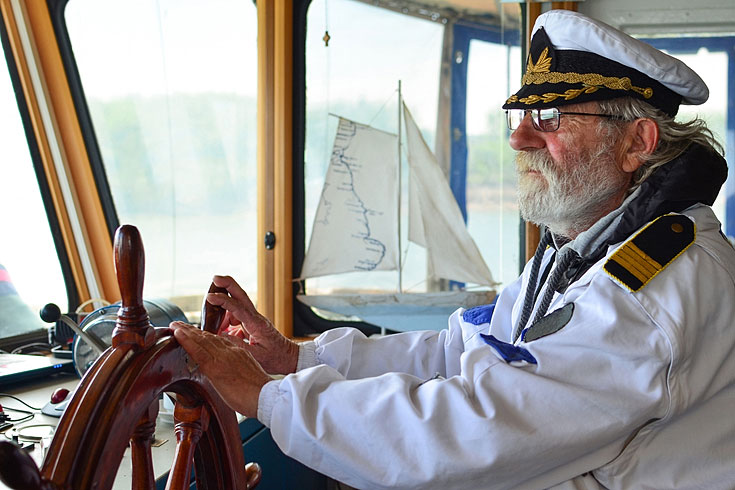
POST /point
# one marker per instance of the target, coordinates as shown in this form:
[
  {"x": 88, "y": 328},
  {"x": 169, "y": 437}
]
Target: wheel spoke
[
  {"x": 212, "y": 315},
  {"x": 253, "y": 474},
  {"x": 140, "y": 450},
  {"x": 116, "y": 405},
  {"x": 191, "y": 421}
]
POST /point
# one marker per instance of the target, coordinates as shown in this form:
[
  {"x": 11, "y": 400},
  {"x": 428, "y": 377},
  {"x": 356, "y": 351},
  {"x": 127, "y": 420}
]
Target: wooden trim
[
  {"x": 41, "y": 137},
  {"x": 74, "y": 153},
  {"x": 533, "y": 10},
  {"x": 283, "y": 189},
  {"x": 533, "y": 235},
  {"x": 266, "y": 20},
  {"x": 275, "y": 160},
  {"x": 62, "y": 149},
  {"x": 564, "y": 5}
]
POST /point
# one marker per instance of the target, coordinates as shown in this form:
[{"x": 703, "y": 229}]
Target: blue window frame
[
  {"x": 724, "y": 44},
  {"x": 463, "y": 35}
]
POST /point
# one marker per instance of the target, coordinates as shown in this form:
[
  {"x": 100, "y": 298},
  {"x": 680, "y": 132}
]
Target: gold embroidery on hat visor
[
  {"x": 591, "y": 83},
  {"x": 551, "y": 96}
]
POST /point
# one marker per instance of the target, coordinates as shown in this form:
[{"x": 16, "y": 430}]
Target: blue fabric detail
[
  {"x": 508, "y": 352},
  {"x": 479, "y": 314}
]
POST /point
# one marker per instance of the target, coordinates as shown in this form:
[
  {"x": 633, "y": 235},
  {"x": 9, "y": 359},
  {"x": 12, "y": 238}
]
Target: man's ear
[{"x": 640, "y": 140}]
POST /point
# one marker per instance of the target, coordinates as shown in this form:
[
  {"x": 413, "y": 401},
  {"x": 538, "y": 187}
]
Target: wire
[
  {"x": 24, "y": 432},
  {"x": 6, "y": 418},
  {"x": 18, "y": 350},
  {"x": 382, "y": 107},
  {"x": 22, "y": 419},
  {"x": 18, "y": 400},
  {"x": 101, "y": 301}
]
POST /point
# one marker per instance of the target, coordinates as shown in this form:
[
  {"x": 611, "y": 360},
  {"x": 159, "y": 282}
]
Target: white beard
[{"x": 570, "y": 197}]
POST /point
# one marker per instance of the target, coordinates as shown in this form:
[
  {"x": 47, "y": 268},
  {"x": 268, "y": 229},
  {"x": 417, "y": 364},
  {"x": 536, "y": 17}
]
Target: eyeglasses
[{"x": 546, "y": 120}]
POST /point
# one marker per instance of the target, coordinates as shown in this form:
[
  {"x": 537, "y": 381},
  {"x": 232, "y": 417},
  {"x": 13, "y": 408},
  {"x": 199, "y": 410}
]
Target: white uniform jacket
[{"x": 634, "y": 390}]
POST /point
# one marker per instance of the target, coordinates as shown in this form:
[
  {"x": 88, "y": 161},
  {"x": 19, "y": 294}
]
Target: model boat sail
[
  {"x": 356, "y": 222},
  {"x": 356, "y": 226},
  {"x": 439, "y": 226}
]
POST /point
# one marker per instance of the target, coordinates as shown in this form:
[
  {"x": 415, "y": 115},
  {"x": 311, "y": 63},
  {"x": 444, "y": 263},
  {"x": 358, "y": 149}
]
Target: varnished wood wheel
[{"x": 116, "y": 405}]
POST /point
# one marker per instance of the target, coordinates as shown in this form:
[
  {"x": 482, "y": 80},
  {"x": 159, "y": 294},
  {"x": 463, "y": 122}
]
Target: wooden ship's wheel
[{"x": 116, "y": 405}]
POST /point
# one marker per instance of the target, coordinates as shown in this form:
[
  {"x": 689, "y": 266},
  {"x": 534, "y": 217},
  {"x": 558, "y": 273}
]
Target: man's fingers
[
  {"x": 228, "y": 322},
  {"x": 240, "y": 311},
  {"x": 194, "y": 341},
  {"x": 236, "y": 340},
  {"x": 230, "y": 367},
  {"x": 234, "y": 289},
  {"x": 243, "y": 311}
]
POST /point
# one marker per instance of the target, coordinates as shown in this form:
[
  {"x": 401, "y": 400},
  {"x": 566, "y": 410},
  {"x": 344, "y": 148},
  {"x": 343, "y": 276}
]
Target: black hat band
[{"x": 569, "y": 76}]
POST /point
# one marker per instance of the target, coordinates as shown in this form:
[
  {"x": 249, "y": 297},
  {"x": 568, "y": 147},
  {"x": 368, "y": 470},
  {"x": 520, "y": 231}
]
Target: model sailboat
[{"x": 356, "y": 228}]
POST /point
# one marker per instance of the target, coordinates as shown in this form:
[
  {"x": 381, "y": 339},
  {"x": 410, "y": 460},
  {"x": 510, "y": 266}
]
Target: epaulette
[{"x": 650, "y": 250}]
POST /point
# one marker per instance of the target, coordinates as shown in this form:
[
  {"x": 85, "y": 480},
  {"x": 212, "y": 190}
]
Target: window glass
[
  {"x": 709, "y": 55},
  {"x": 171, "y": 87},
  {"x": 492, "y": 203},
  {"x": 356, "y": 76},
  {"x": 30, "y": 272},
  {"x": 712, "y": 67}
]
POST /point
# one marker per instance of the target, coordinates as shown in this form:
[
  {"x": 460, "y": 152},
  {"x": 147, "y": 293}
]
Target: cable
[
  {"x": 22, "y": 419},
  {"x": 25, "y": 433},
  {"x": 101, "y": 301},
  {"x": 18, "y": 400},
  {"x": 18, "y": 350},
  {"x": 4, "y": 417}
]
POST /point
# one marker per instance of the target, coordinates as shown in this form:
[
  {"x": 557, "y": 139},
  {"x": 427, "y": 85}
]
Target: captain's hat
[{"x": 575, "y": 59}]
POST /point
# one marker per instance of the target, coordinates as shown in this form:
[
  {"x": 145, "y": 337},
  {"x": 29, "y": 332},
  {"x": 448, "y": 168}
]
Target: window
[
  {"x": 712, "y": 58},
  {"x": 30, "y": 271},
  {"x": 455, "y": 70},
  {"x": 493, "y": 218},
  {"x": 356, "y": 76},
  {"x": 699, "y": 38},
  {"x": 171, "y": 88}
]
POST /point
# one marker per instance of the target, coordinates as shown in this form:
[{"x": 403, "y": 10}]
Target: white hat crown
[{"x": 568, "y": 30}]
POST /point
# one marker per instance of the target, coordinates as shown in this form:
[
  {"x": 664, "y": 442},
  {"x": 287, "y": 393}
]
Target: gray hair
[{"x": 674, "y": 137}]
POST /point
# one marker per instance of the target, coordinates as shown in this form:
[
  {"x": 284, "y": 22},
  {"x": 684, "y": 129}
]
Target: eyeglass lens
[{"x": 542, "y": 119}]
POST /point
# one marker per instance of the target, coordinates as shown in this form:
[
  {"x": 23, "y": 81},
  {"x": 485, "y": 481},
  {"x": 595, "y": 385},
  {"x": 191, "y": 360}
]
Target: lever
[{"x": 51, "y": 313}]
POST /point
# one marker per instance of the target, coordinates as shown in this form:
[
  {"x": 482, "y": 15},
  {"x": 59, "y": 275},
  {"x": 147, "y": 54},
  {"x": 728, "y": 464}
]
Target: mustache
[{"x": 534, "y": 160}]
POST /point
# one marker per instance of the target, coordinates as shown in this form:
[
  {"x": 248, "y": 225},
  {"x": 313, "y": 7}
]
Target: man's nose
[{"x": 526, "y": 137}]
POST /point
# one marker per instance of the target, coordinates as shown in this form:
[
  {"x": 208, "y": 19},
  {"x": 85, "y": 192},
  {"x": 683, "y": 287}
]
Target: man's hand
[
  {"x": 276, "y": 353},
  {"x": 237, "y": 377}
]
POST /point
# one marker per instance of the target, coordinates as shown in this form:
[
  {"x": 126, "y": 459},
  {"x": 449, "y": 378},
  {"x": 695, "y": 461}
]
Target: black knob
[
  {"x": 270, "y": 240},
  {"x": 50, "y": 313}
]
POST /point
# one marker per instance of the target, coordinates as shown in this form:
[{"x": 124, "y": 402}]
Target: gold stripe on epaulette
[
  {"x": 637, "y": 262},
  {"x": 633, "y": 268}
]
